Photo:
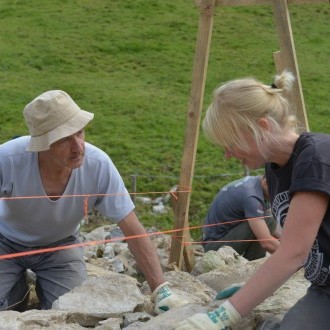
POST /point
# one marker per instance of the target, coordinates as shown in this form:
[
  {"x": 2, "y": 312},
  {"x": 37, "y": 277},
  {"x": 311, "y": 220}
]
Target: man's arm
[
  {"x": 262, "y": 233},
  {"x": 148, "y": 262},
  {"x": 142, "y": 250}
]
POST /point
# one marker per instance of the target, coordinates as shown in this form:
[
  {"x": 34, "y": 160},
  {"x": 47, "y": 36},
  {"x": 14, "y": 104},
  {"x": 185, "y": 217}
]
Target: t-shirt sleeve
[
  {"x": 313, "y": 175},
  {"x": 311, "y": 168},
  {"x": 114, "y": 201},
  {"x": 253, "y": 207}
]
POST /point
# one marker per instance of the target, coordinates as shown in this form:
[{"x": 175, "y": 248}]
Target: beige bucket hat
[{"x": 52, "y": 116}]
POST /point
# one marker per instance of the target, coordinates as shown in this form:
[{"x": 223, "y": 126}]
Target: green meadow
[{"x": 130, "y": 62}]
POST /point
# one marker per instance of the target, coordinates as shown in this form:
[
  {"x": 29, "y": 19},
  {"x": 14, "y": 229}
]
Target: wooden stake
[
  {"x": 178, "y": 250},
  {"x": 289, "y": 60}
]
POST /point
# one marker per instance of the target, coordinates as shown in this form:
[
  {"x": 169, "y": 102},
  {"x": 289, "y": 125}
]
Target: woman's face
[{"x": 252, "y": 158}]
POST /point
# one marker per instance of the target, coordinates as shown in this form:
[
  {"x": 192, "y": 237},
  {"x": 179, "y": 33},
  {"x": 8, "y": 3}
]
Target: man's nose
[{"x": 77, "y": 144}]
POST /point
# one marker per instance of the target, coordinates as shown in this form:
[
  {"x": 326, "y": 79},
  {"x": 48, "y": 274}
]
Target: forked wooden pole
[
  {"x": 181, "y": 210},
  {"x": 289, "y": 59},
  {"x": 264, "y": 2}
]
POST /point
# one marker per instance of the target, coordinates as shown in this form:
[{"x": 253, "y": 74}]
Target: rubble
[{"x": 115, "y": 296}]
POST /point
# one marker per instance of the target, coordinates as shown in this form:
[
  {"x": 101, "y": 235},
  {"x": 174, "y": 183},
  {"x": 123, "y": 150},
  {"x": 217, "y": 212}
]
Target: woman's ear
[{"x": 263, "y": 123}]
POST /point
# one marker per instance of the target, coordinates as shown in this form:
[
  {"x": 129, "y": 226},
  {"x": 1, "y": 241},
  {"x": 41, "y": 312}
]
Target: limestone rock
[{"x": 108, "y": 296}]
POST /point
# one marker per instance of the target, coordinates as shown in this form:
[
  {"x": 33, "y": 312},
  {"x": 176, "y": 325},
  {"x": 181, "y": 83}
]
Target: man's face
[{"x": 69, "y": 151}]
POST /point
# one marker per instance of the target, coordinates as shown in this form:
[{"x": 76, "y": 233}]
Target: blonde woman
[{"x": 254, "y": 124}]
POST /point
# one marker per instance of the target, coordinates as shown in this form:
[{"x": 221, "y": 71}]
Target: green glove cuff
[{"x": 228, "y": 292}]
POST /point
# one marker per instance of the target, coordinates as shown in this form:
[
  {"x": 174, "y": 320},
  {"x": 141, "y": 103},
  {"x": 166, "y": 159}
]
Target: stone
[{"x": 108, "y": 296}]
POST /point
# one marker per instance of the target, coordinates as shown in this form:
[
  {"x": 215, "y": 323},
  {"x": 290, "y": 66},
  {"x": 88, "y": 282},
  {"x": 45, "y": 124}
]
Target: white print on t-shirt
[
  {"x": 280, "y": 207},
  {"x": 241, "y": 182},
  {"x": 314, "y": 272}
]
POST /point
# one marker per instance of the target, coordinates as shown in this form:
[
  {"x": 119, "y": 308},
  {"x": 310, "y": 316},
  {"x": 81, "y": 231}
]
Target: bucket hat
[{"x": 52, "y": 116}]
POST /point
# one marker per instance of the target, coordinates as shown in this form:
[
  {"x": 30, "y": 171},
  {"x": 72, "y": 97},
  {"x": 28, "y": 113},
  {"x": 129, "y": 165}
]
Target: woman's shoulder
[
  {"x": 314, "y": 138},
  {"x": 313, "y": 145}
]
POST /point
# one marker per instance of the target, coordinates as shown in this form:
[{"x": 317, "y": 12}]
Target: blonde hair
[{"x": 239, "y": 104}]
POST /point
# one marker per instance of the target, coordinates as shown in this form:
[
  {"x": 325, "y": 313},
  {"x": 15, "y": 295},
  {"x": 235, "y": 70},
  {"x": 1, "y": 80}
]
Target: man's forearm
[
  {"x": 143, "y": 250},
  {"x": 147, "y": 260}
]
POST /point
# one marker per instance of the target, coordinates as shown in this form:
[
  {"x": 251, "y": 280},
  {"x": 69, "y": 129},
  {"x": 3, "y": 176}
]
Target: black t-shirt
[{"x": 308, "y": 169}]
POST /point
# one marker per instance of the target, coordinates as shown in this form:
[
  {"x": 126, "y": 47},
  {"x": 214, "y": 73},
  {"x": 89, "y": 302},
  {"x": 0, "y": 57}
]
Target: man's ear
[{"x": 263, "y": 123}]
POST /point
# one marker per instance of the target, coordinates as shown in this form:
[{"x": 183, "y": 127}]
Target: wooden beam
[
  {"x": 289, "y": 60},
  {"x": 263, "y": 2},
  {"x": 279, "y": 62},
  {"x": 178, "y": 249}
]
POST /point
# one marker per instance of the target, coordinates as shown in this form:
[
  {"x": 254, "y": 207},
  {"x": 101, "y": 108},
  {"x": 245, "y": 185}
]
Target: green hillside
[{"x": 130, "y": 62}]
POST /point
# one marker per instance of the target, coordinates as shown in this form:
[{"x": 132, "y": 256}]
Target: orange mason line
[
  {"x": 65, "y": 247},
  {"x": 92, "y": 195}
]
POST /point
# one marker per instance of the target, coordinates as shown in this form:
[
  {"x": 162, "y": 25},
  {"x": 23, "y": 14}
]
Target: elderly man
[{"x": 40, "y": 175}]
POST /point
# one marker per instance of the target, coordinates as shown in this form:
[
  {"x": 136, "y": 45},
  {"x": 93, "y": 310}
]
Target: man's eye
[{"x": 63, "y": 140}]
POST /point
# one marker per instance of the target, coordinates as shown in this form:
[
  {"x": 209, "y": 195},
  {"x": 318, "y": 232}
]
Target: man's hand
[
  {"x": 229, "y": 291},
  {"x": 165, "y": 299},
  {"x": 222, "y": 318}
]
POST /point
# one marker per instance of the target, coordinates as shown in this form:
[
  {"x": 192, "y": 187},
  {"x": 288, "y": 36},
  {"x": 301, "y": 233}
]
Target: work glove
[
  {"x": 222, "y": 318},
  {"x": 229, "y": 291},
  {"x": 165, "y": 299}
]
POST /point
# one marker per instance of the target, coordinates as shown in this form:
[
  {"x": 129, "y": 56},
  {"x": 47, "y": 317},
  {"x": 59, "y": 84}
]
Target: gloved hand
[
  {"x": 222, "y": 318},
  {"x": 229, "y": 291},
  {"x": 165, "y": 299}
]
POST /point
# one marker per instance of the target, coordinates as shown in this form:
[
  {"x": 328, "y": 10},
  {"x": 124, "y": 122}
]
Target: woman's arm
[{"x": 303, "y": 221}]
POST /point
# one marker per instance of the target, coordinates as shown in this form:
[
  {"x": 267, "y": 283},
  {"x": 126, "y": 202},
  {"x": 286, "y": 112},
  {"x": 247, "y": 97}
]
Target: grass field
[{"x": 130, "y": 62}]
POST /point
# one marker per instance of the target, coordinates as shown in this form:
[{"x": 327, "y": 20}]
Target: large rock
[
  {"x": 108, "y": 296},
  {"x": 226, "y": 274},
  {"x": 224, "y": 258},
  {"x": 167, "y": 320},
  {"x": 51, "y": 319}
]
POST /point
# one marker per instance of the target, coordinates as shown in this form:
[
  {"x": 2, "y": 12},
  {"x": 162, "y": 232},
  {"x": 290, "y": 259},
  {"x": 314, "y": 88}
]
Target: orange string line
[
  {"x": 177, "y": 237},
  {"x": 223, "y": 223},
  {"x": 92, "y": 195},
  {"x": 65, "y": 247},
  {"x": 240, "y": 240},
  {"x": 86, "y": 210},
  {"x": 174, "y": 195},
  {"x": 70, "y": 246}
]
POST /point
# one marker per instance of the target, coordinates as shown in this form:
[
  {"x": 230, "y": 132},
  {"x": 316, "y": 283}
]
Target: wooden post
[
  {"x": 279, "y": 62},
  {"x": 264, "y": 2},
  {"x": 289, "y": 60},
  {"x": 178, "y": 250},
  {"x": 133, "y": 182}
]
